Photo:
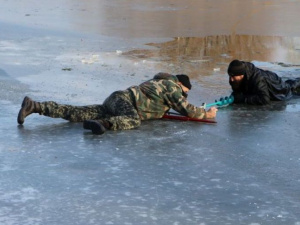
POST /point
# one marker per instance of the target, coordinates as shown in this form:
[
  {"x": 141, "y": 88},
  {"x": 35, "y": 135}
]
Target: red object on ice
[{"x": 185, "y": 118}]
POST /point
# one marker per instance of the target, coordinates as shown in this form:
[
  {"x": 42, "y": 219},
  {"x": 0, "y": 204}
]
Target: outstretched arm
[{"x": 180, "y": 104}]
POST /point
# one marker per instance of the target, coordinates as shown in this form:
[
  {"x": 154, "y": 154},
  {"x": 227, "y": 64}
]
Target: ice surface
[{"x": 54, "y": 172}]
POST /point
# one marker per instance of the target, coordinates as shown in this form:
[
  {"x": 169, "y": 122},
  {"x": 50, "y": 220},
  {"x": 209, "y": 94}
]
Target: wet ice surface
[{"x": 242, "y": 170}]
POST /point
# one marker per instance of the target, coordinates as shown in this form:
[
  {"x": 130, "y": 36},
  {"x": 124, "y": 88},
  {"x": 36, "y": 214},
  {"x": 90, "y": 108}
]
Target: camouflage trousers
[{"x": 118, "y": 109}]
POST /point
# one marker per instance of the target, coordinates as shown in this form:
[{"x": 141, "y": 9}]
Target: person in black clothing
[{"x": 256, "y": 86}]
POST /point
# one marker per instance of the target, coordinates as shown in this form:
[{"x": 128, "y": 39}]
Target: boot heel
[{"x": 95, "y": 126}]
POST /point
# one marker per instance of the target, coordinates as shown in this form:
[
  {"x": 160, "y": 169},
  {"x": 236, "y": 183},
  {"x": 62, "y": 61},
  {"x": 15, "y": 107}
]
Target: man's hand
[{"x": 211, "y": 113}]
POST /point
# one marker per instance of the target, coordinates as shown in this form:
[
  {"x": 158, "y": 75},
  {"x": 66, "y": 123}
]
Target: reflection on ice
[{"x": 207, "y": 55}]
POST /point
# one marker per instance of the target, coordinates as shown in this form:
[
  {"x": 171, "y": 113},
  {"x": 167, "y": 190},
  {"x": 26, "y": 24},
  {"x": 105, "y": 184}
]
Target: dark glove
[{"x": 239, "y": 97}]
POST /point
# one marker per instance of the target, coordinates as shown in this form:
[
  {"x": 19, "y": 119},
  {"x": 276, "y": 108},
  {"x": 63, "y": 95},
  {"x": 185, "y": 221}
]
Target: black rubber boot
[
  {"x": 295, "y": 85},
  {"x": 28, "y": 106},
  {"x": 96, "y": 126}
]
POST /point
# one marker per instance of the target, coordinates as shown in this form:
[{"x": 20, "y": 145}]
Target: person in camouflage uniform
[{"x": 125, "y": 109}]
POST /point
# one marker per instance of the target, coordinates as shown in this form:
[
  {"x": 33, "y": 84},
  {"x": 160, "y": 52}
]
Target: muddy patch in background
[{"x": 205, "y": 56}]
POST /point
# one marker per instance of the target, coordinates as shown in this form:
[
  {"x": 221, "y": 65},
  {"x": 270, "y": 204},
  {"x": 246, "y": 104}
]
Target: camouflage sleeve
[{"x": 180, "y": 104}]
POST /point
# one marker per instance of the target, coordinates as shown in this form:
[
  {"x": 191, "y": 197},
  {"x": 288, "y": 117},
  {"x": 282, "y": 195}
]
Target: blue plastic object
[{"x": 222, "y": 102}]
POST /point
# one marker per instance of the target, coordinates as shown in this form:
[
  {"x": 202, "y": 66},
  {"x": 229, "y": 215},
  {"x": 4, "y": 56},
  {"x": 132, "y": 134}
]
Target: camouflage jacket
[{"x": 155, "y": 97}]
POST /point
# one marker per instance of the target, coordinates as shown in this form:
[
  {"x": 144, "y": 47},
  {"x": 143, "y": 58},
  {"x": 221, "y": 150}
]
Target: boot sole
[{"x": 20, "y": 115}]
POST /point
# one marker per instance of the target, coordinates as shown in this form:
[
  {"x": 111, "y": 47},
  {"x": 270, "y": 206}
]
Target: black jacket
[{"x": 262, "y": 86}]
